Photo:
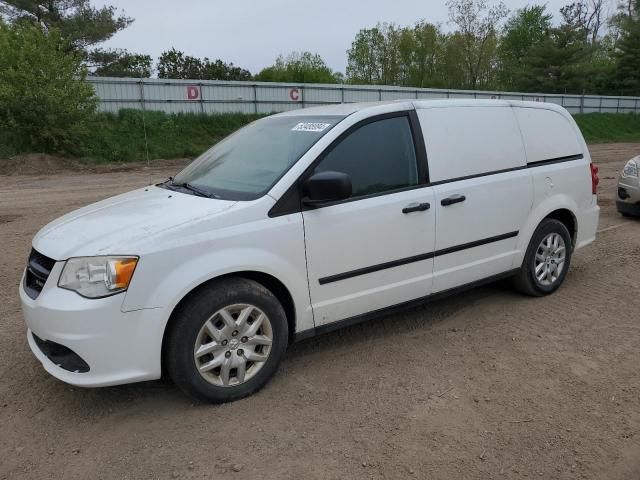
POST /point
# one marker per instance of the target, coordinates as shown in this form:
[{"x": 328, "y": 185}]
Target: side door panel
[
  {"x": 478, "y": 238},
  {"x": 366, "y": 255},
  {"x": 483, "y": 190}
]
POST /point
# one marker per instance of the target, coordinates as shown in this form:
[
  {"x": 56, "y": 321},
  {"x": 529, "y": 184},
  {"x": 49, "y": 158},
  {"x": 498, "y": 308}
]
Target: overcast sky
[{"x": 253, "y": 33}]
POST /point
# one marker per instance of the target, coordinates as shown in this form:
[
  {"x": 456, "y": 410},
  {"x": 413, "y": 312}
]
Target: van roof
[{"x": 345, "y": 109}]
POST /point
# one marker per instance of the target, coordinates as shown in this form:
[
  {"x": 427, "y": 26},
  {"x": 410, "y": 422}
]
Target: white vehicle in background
[
  {"x": 628, "y": 201},
  {"x": 298, "y": 224}
]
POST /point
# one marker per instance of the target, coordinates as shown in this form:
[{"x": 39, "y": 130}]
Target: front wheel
[
  {"x": 226, "y": 341},
  {"x": 547, "y": 259}
]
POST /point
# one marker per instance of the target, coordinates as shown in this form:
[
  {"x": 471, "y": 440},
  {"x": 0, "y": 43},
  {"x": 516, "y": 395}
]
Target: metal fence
[{"x": 213, "y": 96}]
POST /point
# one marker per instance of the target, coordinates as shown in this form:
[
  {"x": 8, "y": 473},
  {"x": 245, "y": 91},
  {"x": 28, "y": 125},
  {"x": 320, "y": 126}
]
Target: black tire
[
  {"x": 526, "y": 281},
  {"x": 186, "y": 327}
]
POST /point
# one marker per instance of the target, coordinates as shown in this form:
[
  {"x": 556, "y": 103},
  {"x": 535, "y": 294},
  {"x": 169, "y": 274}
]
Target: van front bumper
[{"x": 91, "y": 342}]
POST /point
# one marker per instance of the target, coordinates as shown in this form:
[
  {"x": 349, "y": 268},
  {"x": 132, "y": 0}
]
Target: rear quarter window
[
  {"x": 547, "y": 134},
  {"x": 464, "y": 141}
]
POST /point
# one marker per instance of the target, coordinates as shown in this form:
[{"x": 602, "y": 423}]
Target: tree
[
  {"x": 120, "y": 63},
  {"x": 477, "y": 24},
  {"x": 525, "y": 29},
  {"x": 364, "y": 62},
  {"x": 45, "y": 105},
  {"x": 428, "y": 56},
  {"x": 219, "y": 70},
  {"x": 299, "y": 67},
  {"x": 627, "y": 73},
  {"x": 555, "y": 65},
  {"x": 78, "y": 22},
  {"x": 585, "y": 15},
  {"x": 392, "y": 55},
  {"x": 175, "y": 64},
  {"x": 81, "y": 26}
]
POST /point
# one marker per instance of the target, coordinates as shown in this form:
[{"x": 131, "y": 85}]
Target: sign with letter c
[
  {"x": 193, "y": 92},
  {"x": 294, "y": 94}
]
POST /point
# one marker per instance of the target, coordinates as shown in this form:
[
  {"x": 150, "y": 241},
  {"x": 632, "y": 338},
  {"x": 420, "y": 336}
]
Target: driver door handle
[
  {"x": 457, "y": 198},
  {"x": 416, "y": 207}
]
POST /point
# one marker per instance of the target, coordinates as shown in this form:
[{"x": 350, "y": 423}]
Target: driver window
[{"x": 379, "y": 157}]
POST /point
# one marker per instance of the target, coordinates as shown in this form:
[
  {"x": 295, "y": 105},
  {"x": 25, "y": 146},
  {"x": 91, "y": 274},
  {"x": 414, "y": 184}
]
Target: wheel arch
[
  {"x": 568, "y": 218},
  {"x": 560, "y": 207},
  {"x": 271, "y": 283}
]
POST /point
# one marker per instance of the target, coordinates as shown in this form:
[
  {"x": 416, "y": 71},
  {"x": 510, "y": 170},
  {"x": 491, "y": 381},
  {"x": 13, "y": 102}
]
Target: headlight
[
  {"x": 630, "y": 169},
  {"x": 96, "y": 277}
]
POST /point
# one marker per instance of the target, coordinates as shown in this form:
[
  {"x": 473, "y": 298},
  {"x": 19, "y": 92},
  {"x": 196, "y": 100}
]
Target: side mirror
[{"x": 326, "y": 187}]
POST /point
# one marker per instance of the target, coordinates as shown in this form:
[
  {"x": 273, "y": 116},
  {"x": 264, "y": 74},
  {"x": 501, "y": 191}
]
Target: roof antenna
[{"x": 144, "y": 127}]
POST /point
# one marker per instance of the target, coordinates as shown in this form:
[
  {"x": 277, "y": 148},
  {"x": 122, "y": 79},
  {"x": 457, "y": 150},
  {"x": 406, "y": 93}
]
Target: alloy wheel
[
  {"x": 550, "y": 259},
  {"x": 233, "y": 345}
]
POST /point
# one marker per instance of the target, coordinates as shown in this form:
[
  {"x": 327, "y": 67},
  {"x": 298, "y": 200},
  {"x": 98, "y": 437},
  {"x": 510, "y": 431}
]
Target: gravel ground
[{"x": 487, "y": 384}]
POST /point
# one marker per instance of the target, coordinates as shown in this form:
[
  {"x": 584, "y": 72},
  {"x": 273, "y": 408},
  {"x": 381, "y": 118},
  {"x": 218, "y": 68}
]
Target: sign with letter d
[{"x": 193, "y": 92}]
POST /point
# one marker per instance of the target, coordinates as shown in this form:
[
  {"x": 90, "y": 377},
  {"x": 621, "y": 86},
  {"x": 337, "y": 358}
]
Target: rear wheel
[
  {"x": 226, "y": 341},
  {"x": 547, "y": 259}
]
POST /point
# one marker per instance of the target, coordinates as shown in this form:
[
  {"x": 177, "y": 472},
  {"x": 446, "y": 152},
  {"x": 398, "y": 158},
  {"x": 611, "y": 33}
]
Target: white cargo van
[{"x": 300, "y": 223}]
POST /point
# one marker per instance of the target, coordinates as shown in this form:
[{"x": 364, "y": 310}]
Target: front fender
[{"x": 164, "y": 277}]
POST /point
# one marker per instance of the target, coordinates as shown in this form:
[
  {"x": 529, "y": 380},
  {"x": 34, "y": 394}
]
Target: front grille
[
  {"x": 62, "y": 356},
  {"x": 38, "y": 270}
]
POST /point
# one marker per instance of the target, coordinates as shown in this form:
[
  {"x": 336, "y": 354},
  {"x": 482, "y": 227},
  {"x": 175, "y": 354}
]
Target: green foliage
[
  {"x": 424, "y": 56},
  {"x": 628, "y": 55},
  {"x": 609, "y": 127},
  {"x": 120, "y": 137},
  {"x": 553, "y": 66},
  {"x": 175, "y": 64},
  {"x": 77, "y": 21},
  {"x": 477, "y": 23},
  {"x": 120, "y": 63},
  {"x": 44, "y": 103},
  {"x": 525, "y": 29},
  {"x": 299, "y": 67},
  {"x": 388, "y": 54},
  {"x": 82, "y": 26},
  {"x": 529, "y": 53},
  {"x": 368, "y": 61}
]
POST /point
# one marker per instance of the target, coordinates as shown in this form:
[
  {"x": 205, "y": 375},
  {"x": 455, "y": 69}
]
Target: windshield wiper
[{"x": 192, "y": 188}]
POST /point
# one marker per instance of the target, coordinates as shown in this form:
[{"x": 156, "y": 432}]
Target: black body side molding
[
  {"x": 312, "y": 332},
  {"x": 417, "y": 258}
]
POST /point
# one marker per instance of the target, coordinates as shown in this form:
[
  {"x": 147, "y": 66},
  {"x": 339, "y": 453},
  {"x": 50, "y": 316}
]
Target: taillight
[{"x": 595, "y": 180}]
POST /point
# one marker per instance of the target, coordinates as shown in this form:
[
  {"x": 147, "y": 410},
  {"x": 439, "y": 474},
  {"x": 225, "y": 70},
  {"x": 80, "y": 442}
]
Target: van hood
[{"x": 116, "y": 225}]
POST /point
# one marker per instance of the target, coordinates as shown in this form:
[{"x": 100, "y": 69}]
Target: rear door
[
  {"x": 483, "y": 191},
  {"x": 373, "y": 250}
]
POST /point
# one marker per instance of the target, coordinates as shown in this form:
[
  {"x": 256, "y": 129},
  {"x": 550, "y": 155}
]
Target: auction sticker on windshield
[{"x": 310, "y": 127}]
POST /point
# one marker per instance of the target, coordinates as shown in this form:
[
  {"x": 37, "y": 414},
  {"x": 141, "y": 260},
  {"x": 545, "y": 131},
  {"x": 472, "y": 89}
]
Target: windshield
[{"x": 245, "y": 165}]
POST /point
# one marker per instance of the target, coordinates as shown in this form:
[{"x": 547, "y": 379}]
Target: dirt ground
[{"x": 487, "y": 384}]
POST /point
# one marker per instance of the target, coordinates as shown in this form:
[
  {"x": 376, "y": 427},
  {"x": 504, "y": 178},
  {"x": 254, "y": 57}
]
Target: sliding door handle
[
  {"x": 416, "y": 207},
  {"x": 457, "y": 198}
]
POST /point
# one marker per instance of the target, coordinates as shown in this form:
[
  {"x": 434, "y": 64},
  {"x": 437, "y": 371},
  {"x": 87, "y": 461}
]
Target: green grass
[
  {"x": 120, "y": 137},
  {"x": 609, "y": 127}
]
